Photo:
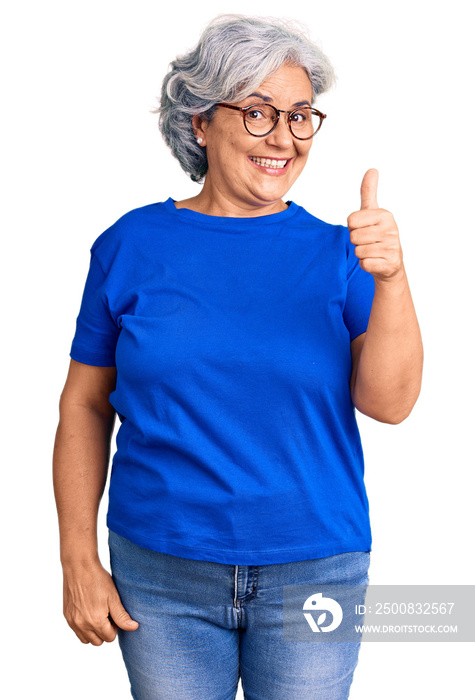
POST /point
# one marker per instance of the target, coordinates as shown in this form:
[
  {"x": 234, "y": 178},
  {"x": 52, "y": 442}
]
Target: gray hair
[{"x": 234, "y": 55}]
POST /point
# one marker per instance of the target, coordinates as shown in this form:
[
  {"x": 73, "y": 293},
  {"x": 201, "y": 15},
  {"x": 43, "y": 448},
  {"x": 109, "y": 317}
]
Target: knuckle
[
  {"x": 73, "y": 621},
  {"x": 388, "y": 218},
  {"x": 77, "y": 621},
  {"x": 395, "y": 259},
  {"x": 106, "y": 630},
  {"x": 98, "y": 622}
]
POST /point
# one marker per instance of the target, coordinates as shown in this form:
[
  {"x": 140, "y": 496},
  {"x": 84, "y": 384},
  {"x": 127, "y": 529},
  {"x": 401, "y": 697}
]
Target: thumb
[
  {"x": 369, "y": 188},
  {"x": 121, "y": 617}
]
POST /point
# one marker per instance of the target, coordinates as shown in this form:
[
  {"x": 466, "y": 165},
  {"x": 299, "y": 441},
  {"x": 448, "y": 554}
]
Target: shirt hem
[
  {"x": 89, "y": 357},
  {"x": 237, "y": 557}
]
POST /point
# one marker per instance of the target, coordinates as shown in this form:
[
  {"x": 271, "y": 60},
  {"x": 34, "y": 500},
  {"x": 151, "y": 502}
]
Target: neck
[{"x": 214, "y": 202}]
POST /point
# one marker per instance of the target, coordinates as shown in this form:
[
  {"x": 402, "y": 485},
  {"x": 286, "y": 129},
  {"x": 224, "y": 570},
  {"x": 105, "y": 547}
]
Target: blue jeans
[{"x": 204, "y": 624}]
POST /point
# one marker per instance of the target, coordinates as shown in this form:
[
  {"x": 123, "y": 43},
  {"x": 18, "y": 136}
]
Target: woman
[{"x": 233, "y": 333}]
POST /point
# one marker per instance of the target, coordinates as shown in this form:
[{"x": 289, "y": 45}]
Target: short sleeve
[
  {"x": 359, "y": 296},
  {"x": 96, "y": 332}
]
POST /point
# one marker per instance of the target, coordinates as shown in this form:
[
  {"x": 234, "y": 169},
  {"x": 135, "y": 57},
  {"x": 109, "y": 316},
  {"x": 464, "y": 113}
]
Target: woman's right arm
[{"x": 91, "y": 602}]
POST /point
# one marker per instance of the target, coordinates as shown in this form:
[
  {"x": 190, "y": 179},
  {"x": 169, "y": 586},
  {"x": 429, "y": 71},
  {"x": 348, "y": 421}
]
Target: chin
[
  {"x": 271, "y": 192},
  {"x": 274, "y": 196}
]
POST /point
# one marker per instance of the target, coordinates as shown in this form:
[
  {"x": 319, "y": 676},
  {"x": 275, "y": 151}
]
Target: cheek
[
  {"x": 303, "y": 156},
  {"x": 305, "y": 147}
]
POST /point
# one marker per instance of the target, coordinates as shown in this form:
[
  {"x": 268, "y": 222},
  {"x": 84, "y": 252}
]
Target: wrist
[
  {"x": 396, "y": 281},
  {"x": 80, "y": 562},
  {"x": 79, "y": 552}
]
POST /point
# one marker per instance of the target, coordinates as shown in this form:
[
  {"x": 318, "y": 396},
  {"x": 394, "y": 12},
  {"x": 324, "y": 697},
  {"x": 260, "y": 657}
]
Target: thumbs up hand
[{"x": 374, "y": 233}]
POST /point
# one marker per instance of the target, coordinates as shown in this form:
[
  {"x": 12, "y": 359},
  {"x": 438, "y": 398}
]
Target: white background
[{"x": 80, "y": 148}]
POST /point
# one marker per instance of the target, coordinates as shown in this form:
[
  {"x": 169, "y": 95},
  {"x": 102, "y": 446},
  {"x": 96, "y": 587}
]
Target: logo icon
[{"x": 328, "y": 605}]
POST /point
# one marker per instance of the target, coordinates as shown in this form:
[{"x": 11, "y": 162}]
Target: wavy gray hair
[{"x": 234, "y": 55}]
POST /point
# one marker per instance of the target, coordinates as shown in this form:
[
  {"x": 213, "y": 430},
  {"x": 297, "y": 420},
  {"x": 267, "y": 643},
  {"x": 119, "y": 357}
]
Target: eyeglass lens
[{"x": 304, "y": 122}]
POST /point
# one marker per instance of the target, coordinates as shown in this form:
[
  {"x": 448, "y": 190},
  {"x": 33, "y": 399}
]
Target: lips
[
  {"x": 272, "y": 166},
  {"x": 272, "y": 163}
]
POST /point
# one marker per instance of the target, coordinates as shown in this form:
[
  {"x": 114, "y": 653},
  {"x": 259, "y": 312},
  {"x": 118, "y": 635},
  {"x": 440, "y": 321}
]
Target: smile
[{"x": 270, "y": 163}]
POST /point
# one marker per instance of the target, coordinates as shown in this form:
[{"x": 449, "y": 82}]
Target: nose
[{"x": 281, "y": 136}]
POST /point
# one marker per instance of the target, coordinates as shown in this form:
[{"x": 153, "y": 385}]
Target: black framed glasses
[{"x": 261, "y": 119}]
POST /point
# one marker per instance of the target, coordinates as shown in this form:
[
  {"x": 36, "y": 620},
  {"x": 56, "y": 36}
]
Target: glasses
[{"x": 262, "y": 119}]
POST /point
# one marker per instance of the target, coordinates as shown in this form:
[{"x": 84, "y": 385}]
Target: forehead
[{"x": 287, "y": 82}]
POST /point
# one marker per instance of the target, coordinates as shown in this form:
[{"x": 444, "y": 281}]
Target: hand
[
  {"x": 374, "y": 233},
  {"x": 92, "y": 606}
]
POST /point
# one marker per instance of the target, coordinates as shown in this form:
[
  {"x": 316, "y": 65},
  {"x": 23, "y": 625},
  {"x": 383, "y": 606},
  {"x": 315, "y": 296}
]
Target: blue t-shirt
[{"x": 238, "y": 440}]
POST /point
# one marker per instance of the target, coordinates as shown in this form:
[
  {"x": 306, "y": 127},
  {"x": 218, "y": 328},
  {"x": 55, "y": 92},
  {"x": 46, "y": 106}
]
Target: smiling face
[{"x": 249, "y": 175}]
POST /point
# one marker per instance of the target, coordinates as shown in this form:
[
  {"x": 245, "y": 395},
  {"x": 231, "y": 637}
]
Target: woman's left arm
[{"x": 387, "y": 359}]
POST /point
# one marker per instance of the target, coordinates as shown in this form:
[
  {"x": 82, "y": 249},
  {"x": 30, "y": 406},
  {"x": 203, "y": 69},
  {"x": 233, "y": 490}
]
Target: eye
[
  {"x": 255, "y": 114},
  {"x": 299, "y": 117}
]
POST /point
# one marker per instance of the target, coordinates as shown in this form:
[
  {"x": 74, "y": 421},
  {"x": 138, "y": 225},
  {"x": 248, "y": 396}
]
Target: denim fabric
[{"x": 204, "y": 624}]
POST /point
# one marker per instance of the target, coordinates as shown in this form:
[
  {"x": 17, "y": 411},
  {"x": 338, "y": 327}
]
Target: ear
[{"x": 199, "y": 125}]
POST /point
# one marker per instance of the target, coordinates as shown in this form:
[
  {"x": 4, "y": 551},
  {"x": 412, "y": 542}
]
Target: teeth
[{"x": 269, "y": 162}]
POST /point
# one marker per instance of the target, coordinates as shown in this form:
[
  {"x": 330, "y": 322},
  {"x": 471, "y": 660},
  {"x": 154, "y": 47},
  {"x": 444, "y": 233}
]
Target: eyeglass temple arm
[{"x": 239, "y": 109}]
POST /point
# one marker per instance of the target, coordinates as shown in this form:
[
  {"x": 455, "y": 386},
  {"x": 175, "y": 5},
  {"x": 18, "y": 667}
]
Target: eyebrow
[{"x": 266, "y": 98}]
